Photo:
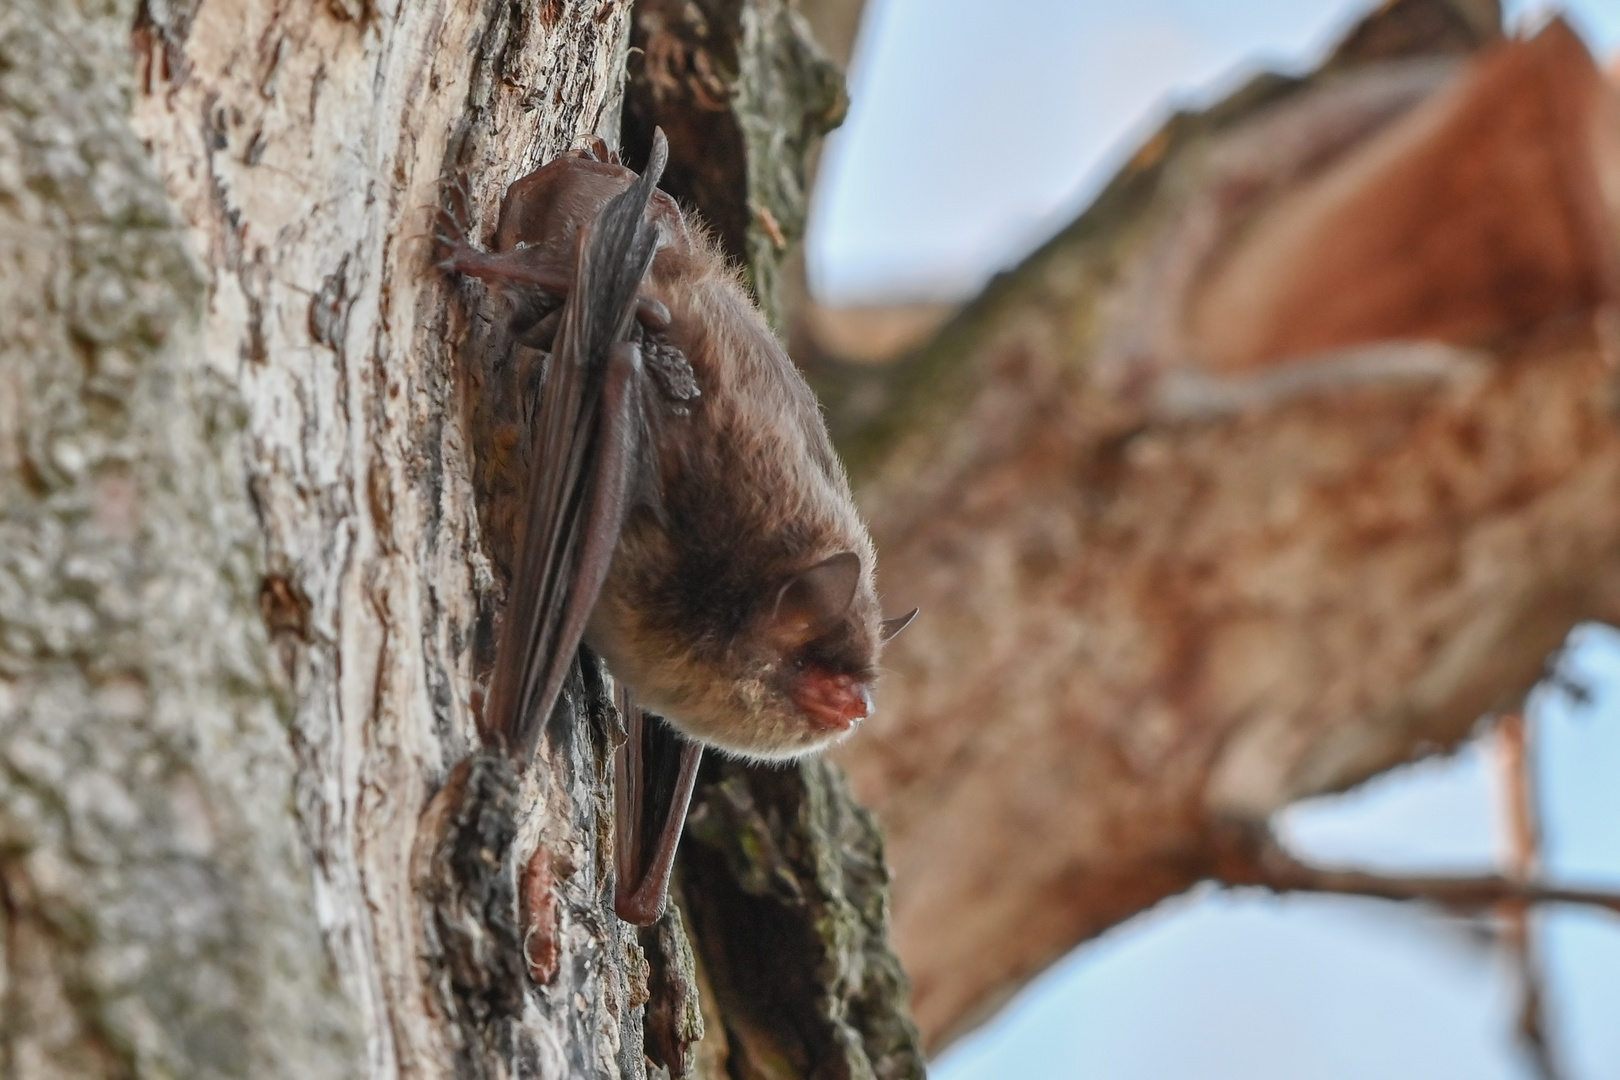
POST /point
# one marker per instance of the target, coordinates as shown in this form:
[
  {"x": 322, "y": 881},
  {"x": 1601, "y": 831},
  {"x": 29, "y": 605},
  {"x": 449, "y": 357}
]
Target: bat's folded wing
[{"x": 588, "y": 448}]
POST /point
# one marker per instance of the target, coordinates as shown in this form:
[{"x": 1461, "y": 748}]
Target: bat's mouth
[{"x": 834, "y": 703}]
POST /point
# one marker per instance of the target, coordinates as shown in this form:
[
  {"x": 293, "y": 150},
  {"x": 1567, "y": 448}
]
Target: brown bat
[{"x": 686, "y": 516}]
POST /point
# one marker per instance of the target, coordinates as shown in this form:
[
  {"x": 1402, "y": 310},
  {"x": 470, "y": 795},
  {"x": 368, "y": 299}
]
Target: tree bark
[
  {"x": 155, "y": 910},
  {"x": 253, "y": 559},
  {"x": 1287, "y": 461}
]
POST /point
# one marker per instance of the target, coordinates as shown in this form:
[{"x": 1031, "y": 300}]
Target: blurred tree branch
[
  {"x": 1247, "y": 856},
  {"x": 1289, "y": 459}
]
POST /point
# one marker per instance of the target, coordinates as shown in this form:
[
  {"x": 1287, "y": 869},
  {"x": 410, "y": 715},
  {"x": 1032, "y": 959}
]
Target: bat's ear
[
  {"x": 890, "y": 628},
  {"x": 813, "y": 600}
]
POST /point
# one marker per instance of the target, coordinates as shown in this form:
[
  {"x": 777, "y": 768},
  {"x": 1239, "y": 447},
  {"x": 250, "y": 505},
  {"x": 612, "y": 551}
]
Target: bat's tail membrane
[{"x": 588, "y": 444}]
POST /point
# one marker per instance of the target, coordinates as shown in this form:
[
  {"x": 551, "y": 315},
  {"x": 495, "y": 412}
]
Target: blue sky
[{"x": 975, "y": 131}]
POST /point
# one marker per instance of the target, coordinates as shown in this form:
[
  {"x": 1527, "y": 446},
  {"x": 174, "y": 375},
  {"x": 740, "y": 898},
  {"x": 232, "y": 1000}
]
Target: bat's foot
[{"x": 450, "y": 245}]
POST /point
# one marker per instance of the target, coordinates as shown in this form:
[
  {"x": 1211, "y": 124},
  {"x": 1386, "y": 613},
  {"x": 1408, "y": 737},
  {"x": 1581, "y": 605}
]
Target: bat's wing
[
  {"x": 654, "y": 771},
  {"x": 589, "y": 451},
  {"x": 588, "y": 448}
]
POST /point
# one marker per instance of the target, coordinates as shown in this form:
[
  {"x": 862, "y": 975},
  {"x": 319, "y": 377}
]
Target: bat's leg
[
  {"x": 518, "y": 267},
  {"x": 654, "y": 773}
]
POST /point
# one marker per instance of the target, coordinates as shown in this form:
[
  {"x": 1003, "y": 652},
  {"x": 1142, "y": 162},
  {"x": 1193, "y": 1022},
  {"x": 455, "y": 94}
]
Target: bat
[{"x": 685, "y": 514}]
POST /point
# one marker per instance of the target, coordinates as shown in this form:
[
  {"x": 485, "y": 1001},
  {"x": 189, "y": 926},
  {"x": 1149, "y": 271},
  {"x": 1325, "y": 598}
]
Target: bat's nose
[{"x": 834, "y": 703}]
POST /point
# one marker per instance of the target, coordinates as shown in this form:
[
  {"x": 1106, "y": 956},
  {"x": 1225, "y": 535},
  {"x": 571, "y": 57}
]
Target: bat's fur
[
  {"x": 751, "y": 495},
  {"x": 742, "y": 582}
]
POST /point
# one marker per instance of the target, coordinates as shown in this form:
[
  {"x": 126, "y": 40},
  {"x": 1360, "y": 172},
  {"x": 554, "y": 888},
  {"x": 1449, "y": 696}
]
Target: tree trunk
[
  {"x": 158, "y": 915},
  {"x": 250, "y": 573}
]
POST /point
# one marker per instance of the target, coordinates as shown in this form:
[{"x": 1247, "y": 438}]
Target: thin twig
[
  {"x": 1250, "y": 856},
  {"x": 1522, "y": 863}
]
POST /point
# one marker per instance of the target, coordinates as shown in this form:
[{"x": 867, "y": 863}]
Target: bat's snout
[{"x": 834, "y": 703}]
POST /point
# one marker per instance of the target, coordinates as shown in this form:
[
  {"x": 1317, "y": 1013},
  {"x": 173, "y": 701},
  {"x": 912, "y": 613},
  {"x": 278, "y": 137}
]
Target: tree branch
[{"x": 1249, "y": 856}]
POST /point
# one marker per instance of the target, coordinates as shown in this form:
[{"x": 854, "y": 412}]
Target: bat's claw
[
  {"x": 449, "y": 239},
  {"x": 452, "y": 223}
]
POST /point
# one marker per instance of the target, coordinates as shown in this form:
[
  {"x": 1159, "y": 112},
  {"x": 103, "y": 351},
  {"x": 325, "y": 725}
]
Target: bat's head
[
  {"x": 797, "y": 678},
  {"x": 816, "y": 649},
  {"x": 809, "y": 664}
]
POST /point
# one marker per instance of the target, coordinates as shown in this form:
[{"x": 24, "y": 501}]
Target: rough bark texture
[
  {"x": 155, "y": 914},
  {"x": 251, "y": 566},
  {"x": 1289, "y": 459},
  {"x": 305, "y": 146},
  {"x": 787, "y": 890},
  {"x": 745, "y": 94}
]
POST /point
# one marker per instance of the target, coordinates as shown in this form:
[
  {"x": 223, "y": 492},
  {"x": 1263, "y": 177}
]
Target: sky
[{"x": 976, "y": 130}]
